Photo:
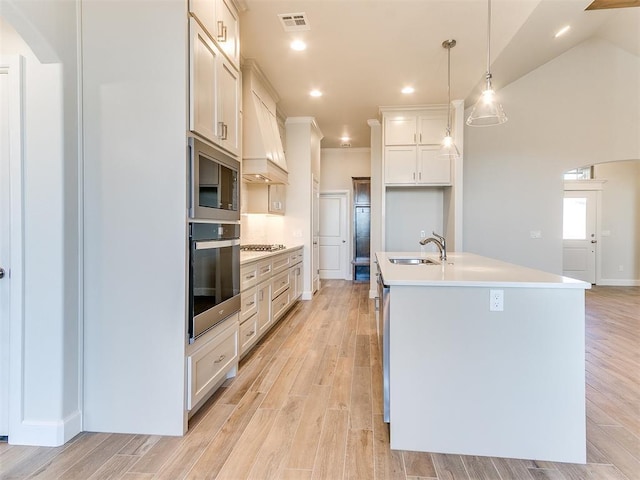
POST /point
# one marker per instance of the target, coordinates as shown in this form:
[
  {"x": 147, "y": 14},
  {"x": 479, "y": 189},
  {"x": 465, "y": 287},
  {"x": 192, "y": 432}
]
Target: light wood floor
[{"x": 307, "y": 405}]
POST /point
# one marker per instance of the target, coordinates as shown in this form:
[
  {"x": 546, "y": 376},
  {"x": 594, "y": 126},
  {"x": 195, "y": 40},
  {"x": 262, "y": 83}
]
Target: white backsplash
[{"x": 261, "y": 228}]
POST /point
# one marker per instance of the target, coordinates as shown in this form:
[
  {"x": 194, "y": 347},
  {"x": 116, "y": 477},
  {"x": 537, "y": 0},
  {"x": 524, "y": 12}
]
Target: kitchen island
[{"x": 485, "y": 358}]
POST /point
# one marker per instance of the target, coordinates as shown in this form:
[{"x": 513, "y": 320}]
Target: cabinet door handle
[
  {"x": 220, "y": 358},
  {"x": 251, "y": 303},
  {"x": 421, "y": 137},
  {"x": 414, "y": 138},
  {"x": 420, "y": 176},
  {"x": 250, "y": 333},
  {"x": 414, "y": 175},
  {"x": 222, "y": 31},
  {"x": 223, "y": 130},
  {"x": 250, "y": 276}
]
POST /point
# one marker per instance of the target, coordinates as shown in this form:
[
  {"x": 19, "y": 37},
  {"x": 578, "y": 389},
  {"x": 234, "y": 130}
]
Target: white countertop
[
  {"x": 252, "y": 256},
  {"x": 468, "y": 270}
]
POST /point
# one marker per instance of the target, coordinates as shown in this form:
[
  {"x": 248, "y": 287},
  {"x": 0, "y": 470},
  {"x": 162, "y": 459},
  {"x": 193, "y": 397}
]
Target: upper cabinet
[
  {"x": 411, "y": 128},
  {"x": 214, "y": 91},
  {"x": 411, "y": 143},
  {"x": 219, "y": 18}
]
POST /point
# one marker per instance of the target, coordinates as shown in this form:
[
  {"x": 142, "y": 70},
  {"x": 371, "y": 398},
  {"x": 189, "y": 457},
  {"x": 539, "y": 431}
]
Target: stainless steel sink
[{"x": 412, "y": 261}]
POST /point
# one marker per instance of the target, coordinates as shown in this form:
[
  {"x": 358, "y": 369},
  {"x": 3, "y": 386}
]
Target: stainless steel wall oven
[
  {"x": 214, "y": 275},
  {"x": 214, "y": 188}
]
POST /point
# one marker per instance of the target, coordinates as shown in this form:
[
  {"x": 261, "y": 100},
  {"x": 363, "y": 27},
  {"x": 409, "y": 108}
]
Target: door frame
[
  {"x": 13, "y": 66},
  {"x": 348, "y": 218},
  {"x": 587, "y": 186}
]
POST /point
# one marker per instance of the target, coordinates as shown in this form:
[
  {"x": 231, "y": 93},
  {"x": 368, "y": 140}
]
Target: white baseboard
[
  {"x": 46, "y": 434},
  {"x": 614, "y": 282}
]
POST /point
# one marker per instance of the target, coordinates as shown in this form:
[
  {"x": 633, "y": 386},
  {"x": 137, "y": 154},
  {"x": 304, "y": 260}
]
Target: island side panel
[{"x": 470, "y": 381}]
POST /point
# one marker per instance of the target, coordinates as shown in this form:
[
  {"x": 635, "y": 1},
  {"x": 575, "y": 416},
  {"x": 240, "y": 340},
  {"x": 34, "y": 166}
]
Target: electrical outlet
[
  {"x": 621, "y": 268},
  {"x": 496, "y": 300},
  {"x": 422, "y": 234},
  {"x": 535, "y": 234}
]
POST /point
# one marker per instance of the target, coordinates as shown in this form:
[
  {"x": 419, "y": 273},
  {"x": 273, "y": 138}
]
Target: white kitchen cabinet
[
  {"x": 212, "y": 362},
  {"x": 228, "y": 30},
  {"x": 415, "y": 128},
  {"x": 265, "y": 198},
  {"x": 228, "y": 95},
  {"x": 264, "y": 307},
  {"x": 295, "y": 275},
  {"x": 416, "y": 165},
  {"x": 248, "y": 334},
  {"x": 268, "y": 289},
  {"x": 214, "y": 92},
  {"x": 203, "y": 73},
  {"x": 219, "y": 18}
]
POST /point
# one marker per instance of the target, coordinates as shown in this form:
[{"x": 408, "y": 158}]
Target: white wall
[
  {"x": 620, "y": 215},
  {"x": 340, "y": 164},
  {"x": 581, "y": 108},
  {"x": 48, "y": 398},
  {"x": 303, "y": 160},
  {"x": 135, "y": 249}
]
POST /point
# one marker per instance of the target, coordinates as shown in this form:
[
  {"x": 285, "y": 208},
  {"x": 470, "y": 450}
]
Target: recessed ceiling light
[
  {"x": 315, "y": 93},
  {"x": 298, "y": 45},
  {"x": 407, "y": 90},
  {"x": 562, "y": 31}
]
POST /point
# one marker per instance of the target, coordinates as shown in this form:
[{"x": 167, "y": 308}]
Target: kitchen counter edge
[
  {"x": 253, "y": 256},
  {"x": 463, "y": 269}
]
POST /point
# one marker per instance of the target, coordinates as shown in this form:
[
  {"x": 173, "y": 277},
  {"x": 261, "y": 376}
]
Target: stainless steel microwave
[{"x": 214, "y": 184}]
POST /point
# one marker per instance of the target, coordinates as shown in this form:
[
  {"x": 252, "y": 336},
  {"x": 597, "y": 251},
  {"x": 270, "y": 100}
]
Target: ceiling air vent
[
  {"x": 294, "y": 22},
  {"x": 345, "y": 145}
]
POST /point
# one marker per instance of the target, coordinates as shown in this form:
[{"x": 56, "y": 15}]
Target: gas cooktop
[{"x": 257, "y": 247}]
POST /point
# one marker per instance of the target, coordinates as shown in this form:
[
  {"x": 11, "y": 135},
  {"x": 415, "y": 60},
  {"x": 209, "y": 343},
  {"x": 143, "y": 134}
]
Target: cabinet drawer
[
  {"x": 264, "y": 270},
  {"x": 279, "y": 284},
  {"x": 279, "y": 305},
  {"x": 249, "y": 303},
  {"x": 281, "y": 262},
  {"x": 295, "y": 257},
  {"x": 248, "y": 334},
  {"x": 210, "y": 364},
  {"x": 248, "y": 275}
]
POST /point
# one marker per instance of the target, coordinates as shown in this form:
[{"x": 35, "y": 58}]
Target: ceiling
[{"x": 361, "y": 53}]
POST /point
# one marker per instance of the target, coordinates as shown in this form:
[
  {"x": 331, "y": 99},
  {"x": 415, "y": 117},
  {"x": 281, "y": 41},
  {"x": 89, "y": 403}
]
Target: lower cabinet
[
  {"x": 279, "y": 285},
  {"x": 215, "y": 360}
]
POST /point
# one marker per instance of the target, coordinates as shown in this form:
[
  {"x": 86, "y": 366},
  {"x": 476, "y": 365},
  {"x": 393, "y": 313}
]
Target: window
[
  {"x": 584, "y": 173},
  {"x": 574, "y": 219}
]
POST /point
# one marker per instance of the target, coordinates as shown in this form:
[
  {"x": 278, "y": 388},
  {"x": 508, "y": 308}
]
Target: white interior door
[
  {"x": 334, "y": 233},
  {"x": 5, "y": 212},
  {"x": 579, "y": 235}
]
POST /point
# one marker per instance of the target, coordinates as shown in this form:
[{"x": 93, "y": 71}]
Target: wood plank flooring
[{"x": 307, "y": 405}]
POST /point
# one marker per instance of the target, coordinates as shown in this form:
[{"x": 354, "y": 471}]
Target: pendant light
[
  {"x": 448, "y": 147},
  {"x": 487, "y": 111}
]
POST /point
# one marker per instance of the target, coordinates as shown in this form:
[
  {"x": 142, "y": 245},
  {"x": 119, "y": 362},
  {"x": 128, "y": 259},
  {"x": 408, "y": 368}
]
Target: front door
[
  {"x": 333, "y": 235},
  {"x": 579, "y": 235}
]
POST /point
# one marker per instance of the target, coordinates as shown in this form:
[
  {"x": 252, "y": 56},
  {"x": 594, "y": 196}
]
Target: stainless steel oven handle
[{"x": 209, "y": 244}]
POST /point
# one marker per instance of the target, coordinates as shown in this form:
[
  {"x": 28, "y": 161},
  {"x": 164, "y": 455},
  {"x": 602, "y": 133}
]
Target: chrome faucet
[{"x": 439, "y": 242}]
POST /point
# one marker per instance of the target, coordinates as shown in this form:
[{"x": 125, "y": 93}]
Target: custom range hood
[{"x": 263, "y": 159}]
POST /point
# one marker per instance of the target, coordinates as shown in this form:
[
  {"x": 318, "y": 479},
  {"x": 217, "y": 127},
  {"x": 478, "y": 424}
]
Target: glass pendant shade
[
  {"x": 487, "y": 111},
  {"x": 448, "y": 148}
]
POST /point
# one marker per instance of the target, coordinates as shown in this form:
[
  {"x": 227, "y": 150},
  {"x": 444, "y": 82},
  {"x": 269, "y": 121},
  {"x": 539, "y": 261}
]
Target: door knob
[
  {"x": 594, "y": 241},
  {"x": 1, "y": 272},
  {"x": 344, "y": 241}
]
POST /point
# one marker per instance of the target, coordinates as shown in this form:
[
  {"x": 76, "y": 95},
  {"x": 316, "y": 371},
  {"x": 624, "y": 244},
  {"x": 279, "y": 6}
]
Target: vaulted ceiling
[{"x": 361, "y": 53}]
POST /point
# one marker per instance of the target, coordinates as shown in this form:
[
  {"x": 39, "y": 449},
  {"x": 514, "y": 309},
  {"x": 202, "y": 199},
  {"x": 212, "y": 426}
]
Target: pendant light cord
[
  {"x": 489, "y": 40},
  {"x": 449, "y": 90}
]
